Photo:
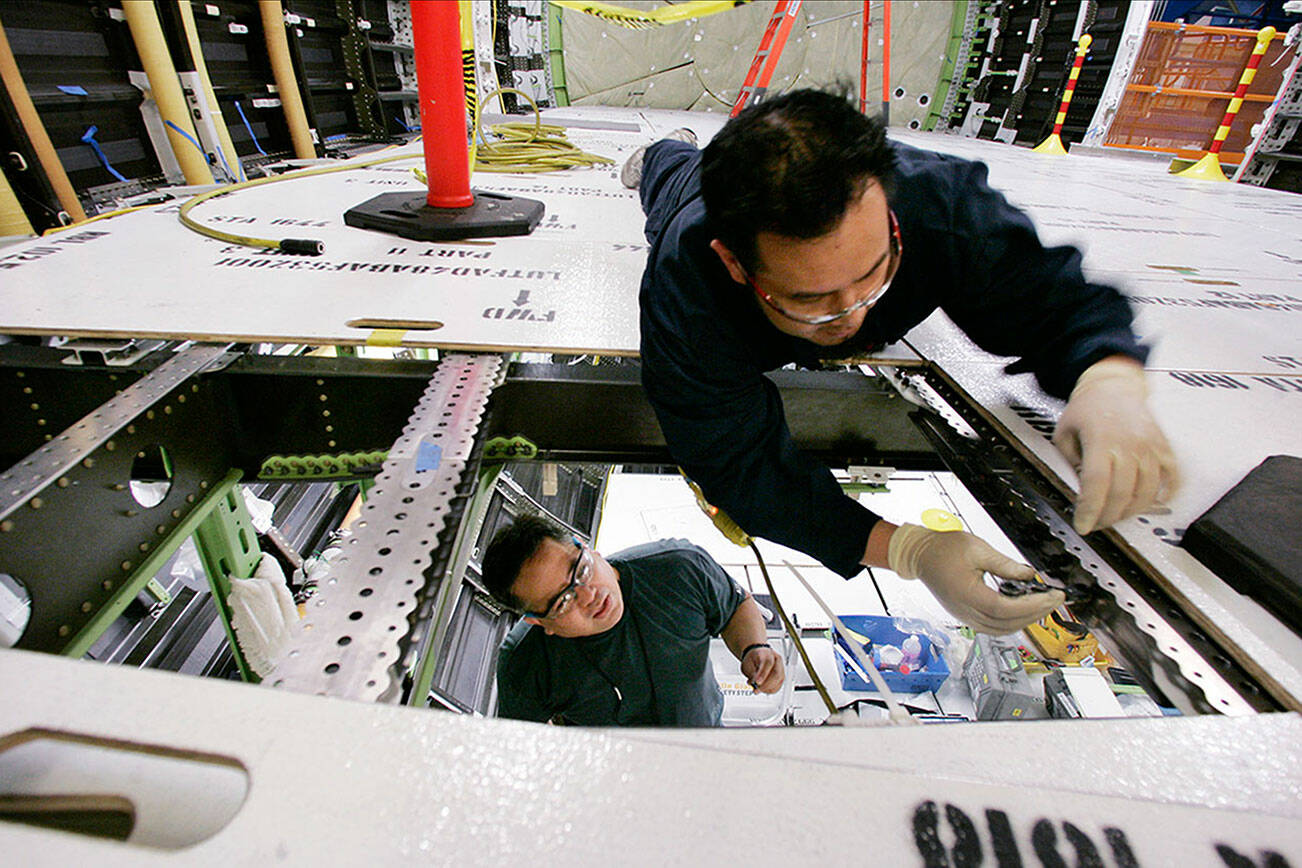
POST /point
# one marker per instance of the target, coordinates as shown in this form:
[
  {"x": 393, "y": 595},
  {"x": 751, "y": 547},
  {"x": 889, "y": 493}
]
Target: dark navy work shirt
[{"x": 706, "y": 344}]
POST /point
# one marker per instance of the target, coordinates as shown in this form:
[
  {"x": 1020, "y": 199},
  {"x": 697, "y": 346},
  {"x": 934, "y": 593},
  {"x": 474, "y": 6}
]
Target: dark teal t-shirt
[{"x": 650, "y": 669}]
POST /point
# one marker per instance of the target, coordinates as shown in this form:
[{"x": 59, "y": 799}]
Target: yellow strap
[
  {"x": 626, "y": 17},
  {"x": 386, "y": 337}
]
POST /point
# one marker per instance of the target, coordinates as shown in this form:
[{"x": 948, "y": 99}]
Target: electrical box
[{"x": 1001, "y": 689}]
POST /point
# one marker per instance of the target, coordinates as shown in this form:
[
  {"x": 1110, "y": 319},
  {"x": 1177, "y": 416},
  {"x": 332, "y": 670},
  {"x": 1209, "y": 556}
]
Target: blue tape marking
[
  {"x": 74, "y": 89},
  {"x": 191, "y": 139},
  {"x": 428, "y": 457},
  {"x": 239, "y": 108},
  {"x": 89, "y": 138}
]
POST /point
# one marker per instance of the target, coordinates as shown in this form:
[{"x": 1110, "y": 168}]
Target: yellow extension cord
[{"x": 525, "y": 148}]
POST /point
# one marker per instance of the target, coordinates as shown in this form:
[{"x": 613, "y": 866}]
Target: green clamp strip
[
  {"x": 509, "y": 449},
  {"x": 340, "y": 465}
]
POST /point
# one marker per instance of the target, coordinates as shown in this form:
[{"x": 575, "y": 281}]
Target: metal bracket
[
  {"x": 355, "y": 628},
  {"x": 22, "y": 482},
  {"x": 98, "y": 351}
]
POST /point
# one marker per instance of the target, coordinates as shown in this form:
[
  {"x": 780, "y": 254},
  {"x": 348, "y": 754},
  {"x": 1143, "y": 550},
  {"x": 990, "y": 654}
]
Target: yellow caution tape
[
  {"x": 638, "y": 19},
  {"x": 385, "y": 338},
  {"x": 468, "y": 76}
]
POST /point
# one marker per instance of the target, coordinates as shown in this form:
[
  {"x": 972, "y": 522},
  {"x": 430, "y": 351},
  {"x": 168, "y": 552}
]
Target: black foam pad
[{"x": 1252, "y": 537}]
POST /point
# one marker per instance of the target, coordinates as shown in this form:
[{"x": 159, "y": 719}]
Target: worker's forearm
[
  {"x": 879, "y": 540},
  {"x": 744, "y": 628}
]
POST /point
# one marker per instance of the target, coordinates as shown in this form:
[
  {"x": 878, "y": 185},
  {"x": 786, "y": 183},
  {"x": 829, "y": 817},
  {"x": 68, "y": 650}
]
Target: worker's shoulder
[
  {"x": 937, "y": 192},
  {"x": 664, "y": 550},
  {"x": 523, "y": 640}
]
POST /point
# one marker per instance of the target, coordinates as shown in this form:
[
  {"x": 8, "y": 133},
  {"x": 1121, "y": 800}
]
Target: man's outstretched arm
[{"x": 747, "y": 639}]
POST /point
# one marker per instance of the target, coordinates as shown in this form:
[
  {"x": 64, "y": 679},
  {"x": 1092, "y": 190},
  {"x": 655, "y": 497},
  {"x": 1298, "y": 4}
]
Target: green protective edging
[
  {"x": 556, "y": 55},
  {"x": 864, "y": 488},
  {"x": 218, "y": 540},
  {"x": 117, "y": 604},
  {"x": 423, "y": 675},
  {"x": 957, "y": 24}
]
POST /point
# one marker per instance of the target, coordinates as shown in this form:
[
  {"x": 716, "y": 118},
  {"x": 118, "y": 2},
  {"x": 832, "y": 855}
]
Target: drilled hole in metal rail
[
  {"x": 332, "y": 669},
  {"x": 354, "y": 616},
  {"x": 384, "y": 551},
  {"x": 344, "y": 640},
  {"x": 365, "y": 592},
  {"x": 375, "y": 571}
]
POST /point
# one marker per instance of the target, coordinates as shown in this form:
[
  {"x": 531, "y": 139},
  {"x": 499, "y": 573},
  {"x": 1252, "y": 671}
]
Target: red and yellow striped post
[
  {"x": 1053, "y": 144},
  {"x": 1209, "y": 167}
]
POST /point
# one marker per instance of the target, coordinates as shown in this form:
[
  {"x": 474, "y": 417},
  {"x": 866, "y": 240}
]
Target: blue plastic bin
[{"x": 930, "y": 674}]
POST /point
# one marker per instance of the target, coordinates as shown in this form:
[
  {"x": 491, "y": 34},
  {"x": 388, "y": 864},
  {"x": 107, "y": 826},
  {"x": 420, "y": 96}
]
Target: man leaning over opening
[{"x": 801, "y": 234}]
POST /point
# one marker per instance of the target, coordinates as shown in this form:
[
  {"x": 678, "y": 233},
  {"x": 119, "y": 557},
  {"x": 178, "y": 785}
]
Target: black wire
[
  {"x": 793, "y": 633},
  {"x": 878, "y": 589}
]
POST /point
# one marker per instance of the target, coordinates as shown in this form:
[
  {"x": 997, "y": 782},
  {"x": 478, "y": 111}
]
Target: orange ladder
[{"x": 766, "y": 56}]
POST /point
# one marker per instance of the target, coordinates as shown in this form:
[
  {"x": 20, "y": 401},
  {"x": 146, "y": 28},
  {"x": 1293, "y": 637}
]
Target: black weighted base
[{"x": 409, "y": 216}]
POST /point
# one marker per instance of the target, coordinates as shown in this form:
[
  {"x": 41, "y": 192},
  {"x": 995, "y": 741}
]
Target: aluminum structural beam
[{"x": 351, "y": 642}]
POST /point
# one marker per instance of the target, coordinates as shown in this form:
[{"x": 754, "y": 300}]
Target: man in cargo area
[{"x": 623, "y": 641}]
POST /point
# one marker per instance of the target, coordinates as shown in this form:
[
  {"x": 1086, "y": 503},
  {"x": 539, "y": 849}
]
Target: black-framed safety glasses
[{"x": 580, "y": 575}]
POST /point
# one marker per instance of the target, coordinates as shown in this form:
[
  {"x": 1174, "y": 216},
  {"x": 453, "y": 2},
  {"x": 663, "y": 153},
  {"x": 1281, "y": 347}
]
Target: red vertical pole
[
  {"x": 886, "y": 63},
  {"x": 436, "y": 32},
  {"x": 863, "y": 60}
]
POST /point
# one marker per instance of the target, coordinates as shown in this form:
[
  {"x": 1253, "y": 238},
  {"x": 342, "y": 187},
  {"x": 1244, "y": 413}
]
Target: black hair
[
  {"x": 507, "y": 553},
  {"x": 791, "y": 165}
]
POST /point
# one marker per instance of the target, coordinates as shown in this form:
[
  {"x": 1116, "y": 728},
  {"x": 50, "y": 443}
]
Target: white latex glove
[
  {"x": 1107, "y": 433},
  {"x": 952, "y": 565}
]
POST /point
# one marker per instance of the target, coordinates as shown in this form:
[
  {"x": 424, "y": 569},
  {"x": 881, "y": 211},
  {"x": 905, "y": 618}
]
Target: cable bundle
[{"x": 526, "y": 147}]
